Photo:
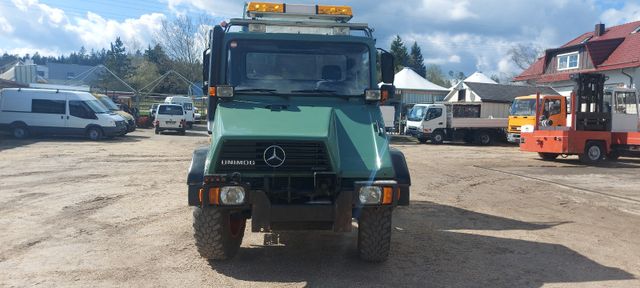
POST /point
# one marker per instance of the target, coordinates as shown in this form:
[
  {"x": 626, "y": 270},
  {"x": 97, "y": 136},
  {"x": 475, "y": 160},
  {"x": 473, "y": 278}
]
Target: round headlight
[
  {"x": 232, "y": 195},
  {"x": 370, "y": 194}
]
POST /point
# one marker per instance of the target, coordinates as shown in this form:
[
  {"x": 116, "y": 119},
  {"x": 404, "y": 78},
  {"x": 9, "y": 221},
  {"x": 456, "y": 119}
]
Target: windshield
[
  {"x": 106, "y": 101},
  {"x": 523, "y": 107},
  {"x": 293, "y": 67},
  {"x": 97, "y": 106},
  {"x": 417, "y": 113},
  {"x": 170, "y": 110}
]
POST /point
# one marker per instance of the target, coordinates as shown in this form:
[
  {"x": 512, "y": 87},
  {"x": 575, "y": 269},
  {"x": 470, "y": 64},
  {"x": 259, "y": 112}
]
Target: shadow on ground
[
  {"x": 425, "y": 253},
  {"x": 8, "y": 142}
]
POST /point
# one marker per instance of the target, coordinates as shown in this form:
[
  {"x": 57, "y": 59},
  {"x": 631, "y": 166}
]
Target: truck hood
[{"x": 350, "y": 132}]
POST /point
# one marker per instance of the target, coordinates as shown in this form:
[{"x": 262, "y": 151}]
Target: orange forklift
[{"x": 605, "y": 124}]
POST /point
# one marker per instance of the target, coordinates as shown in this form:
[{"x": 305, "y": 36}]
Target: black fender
[
  {"x": 195, "y": 178},
  {"x": 402, "y": 175}
]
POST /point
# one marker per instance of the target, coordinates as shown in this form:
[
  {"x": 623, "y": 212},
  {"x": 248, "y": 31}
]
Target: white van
[
  {"x": 170, "y": 117},
  {"x": 33, "y": 111},
  {"x": 187, "y": 104}
]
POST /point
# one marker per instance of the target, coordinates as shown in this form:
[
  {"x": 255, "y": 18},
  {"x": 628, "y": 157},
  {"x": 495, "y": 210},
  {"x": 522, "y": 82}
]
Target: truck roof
[{"x": 30, "y": 91}]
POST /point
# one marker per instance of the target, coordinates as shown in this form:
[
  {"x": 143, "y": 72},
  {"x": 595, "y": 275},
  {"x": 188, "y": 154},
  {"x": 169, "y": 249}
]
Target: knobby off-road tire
[
  {"x": 374, "y": 234},
  {"x": 218, "y": 235}
]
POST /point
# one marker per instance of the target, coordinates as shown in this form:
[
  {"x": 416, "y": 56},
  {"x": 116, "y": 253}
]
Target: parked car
[
  {"x": 107, "y": 102},
  {"x": 25, "y": 112},
  {"x": 170, "y": 117},
  {"x": 187, "y": 105}
]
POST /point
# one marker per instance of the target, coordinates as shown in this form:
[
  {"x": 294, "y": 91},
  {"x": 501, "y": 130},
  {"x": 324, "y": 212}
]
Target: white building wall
[{"x": 616, "y": 78}]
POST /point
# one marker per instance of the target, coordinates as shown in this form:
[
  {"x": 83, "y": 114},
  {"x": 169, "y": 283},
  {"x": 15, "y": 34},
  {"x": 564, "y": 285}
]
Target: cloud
[
  {"x": 630, "y": 12},
  {"x": 5, "y": 26},
  {"x": 53, "y": 30},
  {"x": 220, "y": 8},
  {"x": 460, "y": 35}
]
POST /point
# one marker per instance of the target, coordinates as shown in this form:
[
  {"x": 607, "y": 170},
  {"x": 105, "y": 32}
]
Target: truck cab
[
  {"x": 523, "y": 113},
  {"x": 297, "y": 135},
  {"x": 423, "y": 119}
]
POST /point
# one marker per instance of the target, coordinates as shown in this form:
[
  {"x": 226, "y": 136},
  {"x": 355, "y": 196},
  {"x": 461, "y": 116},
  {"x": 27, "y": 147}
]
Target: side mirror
[
  {"x": 387, "y": 92},
  {"x": 387, "y": 67},
  {"x": 206, "y": 60}
]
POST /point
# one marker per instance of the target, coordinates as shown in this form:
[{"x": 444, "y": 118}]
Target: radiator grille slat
[{"x": 301, "y": 156}]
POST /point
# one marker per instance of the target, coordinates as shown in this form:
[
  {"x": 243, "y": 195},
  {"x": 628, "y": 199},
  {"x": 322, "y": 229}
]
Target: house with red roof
[{"x": 613, "y": 51}]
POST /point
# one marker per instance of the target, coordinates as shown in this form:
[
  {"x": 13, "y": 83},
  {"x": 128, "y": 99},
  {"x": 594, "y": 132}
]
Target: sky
[{"x": 462, "y": 35}]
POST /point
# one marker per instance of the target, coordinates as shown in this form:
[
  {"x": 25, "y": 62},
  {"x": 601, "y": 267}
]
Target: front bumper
[
  {"x": 118, "y": 130},
  {"x": 131, "y": 126},
  {"x": 420, "y": 135},
  {"x": 334, "y": 213},
  {"x": 513, "y": 138}
]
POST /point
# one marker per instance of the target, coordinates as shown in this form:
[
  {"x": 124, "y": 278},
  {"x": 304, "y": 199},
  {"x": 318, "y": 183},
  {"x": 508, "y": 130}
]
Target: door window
[
  {"x": 626, "y": 103},
  {"x": 48, "y": 106},
  {"x": 79, "y": 109},
  {"x": 434, "y": 113},
  {"x": 552, "y": 107}
]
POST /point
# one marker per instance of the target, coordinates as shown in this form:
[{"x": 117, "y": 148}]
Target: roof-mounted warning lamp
[{"x": 282, "y": 10}]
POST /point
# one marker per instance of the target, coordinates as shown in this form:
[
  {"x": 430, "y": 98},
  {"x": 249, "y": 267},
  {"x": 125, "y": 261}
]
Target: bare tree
[
  {"x": 524, "y": 55},
  {"x": 183, "y": 39}
]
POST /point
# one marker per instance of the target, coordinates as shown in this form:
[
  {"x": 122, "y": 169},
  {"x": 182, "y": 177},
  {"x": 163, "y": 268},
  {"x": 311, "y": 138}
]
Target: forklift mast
[{"x": 590, "y": 111}]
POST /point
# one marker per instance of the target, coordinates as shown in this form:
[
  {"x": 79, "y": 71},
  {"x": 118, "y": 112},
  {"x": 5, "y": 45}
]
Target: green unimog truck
[{"x": 297, "y": 136}]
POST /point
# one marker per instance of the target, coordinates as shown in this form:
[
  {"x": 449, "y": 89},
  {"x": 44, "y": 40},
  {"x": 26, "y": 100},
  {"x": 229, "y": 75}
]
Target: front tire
[
  {"x": 374, "y": 234},
  {"x": 437, "y": 137},
  {"x": 593, "y": 153},
  {"x": 94, "y": 133},
  {"x": 218, "y": 233}
]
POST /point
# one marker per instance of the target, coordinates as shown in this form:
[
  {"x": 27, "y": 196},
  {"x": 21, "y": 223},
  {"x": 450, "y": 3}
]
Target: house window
[{"x": 568, "y": 61}]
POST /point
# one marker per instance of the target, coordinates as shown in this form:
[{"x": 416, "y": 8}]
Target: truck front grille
[{"x": 249, "y": 156}]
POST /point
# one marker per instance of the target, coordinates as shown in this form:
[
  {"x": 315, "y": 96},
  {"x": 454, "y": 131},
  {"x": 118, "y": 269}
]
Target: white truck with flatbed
[{"x": 451, "y": 122}]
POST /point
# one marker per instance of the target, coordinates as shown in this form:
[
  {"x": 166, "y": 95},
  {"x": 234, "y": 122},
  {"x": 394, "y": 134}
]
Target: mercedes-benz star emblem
[{"x": 274, "y": 156}]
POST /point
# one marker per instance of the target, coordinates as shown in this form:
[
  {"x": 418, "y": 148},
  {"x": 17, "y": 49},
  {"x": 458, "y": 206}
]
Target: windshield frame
[
  {"x": 107, "y": 102},
  {"x": 533, "y": 111},
  {"x": 170, "y": 114},
  {"x": 95, "y": 105},
  {"x": 419, "y": 119},
  {"x": 366, "y": 42}
]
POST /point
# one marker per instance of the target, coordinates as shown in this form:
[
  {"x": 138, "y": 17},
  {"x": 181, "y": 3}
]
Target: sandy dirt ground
[{"x": 75, "y": 213}]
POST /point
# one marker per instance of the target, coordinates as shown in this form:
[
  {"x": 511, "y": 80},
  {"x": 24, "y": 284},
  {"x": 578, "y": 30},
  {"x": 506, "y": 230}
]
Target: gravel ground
[{"x": 114, "y": 213}]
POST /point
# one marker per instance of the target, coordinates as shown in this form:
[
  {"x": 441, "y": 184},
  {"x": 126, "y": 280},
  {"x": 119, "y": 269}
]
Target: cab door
[
  {"x": 435, "y": 118},
  {"x": 80, "y": 116},
  {"x": 557, "y": 111},
  {"x": 624, "y": 112}
]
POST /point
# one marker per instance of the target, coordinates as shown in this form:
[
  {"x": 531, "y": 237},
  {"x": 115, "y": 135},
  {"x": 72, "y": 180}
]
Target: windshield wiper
[
  {"x": 315, "y": 91},
  {"x": 256, "y": 90}
]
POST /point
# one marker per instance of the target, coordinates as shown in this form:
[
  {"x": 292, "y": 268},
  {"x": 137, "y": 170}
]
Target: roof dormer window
[
  {"x": 636, "y": 31},
  {"x": 586, "y": 39},
  {"x": 568, "y": 61}
]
